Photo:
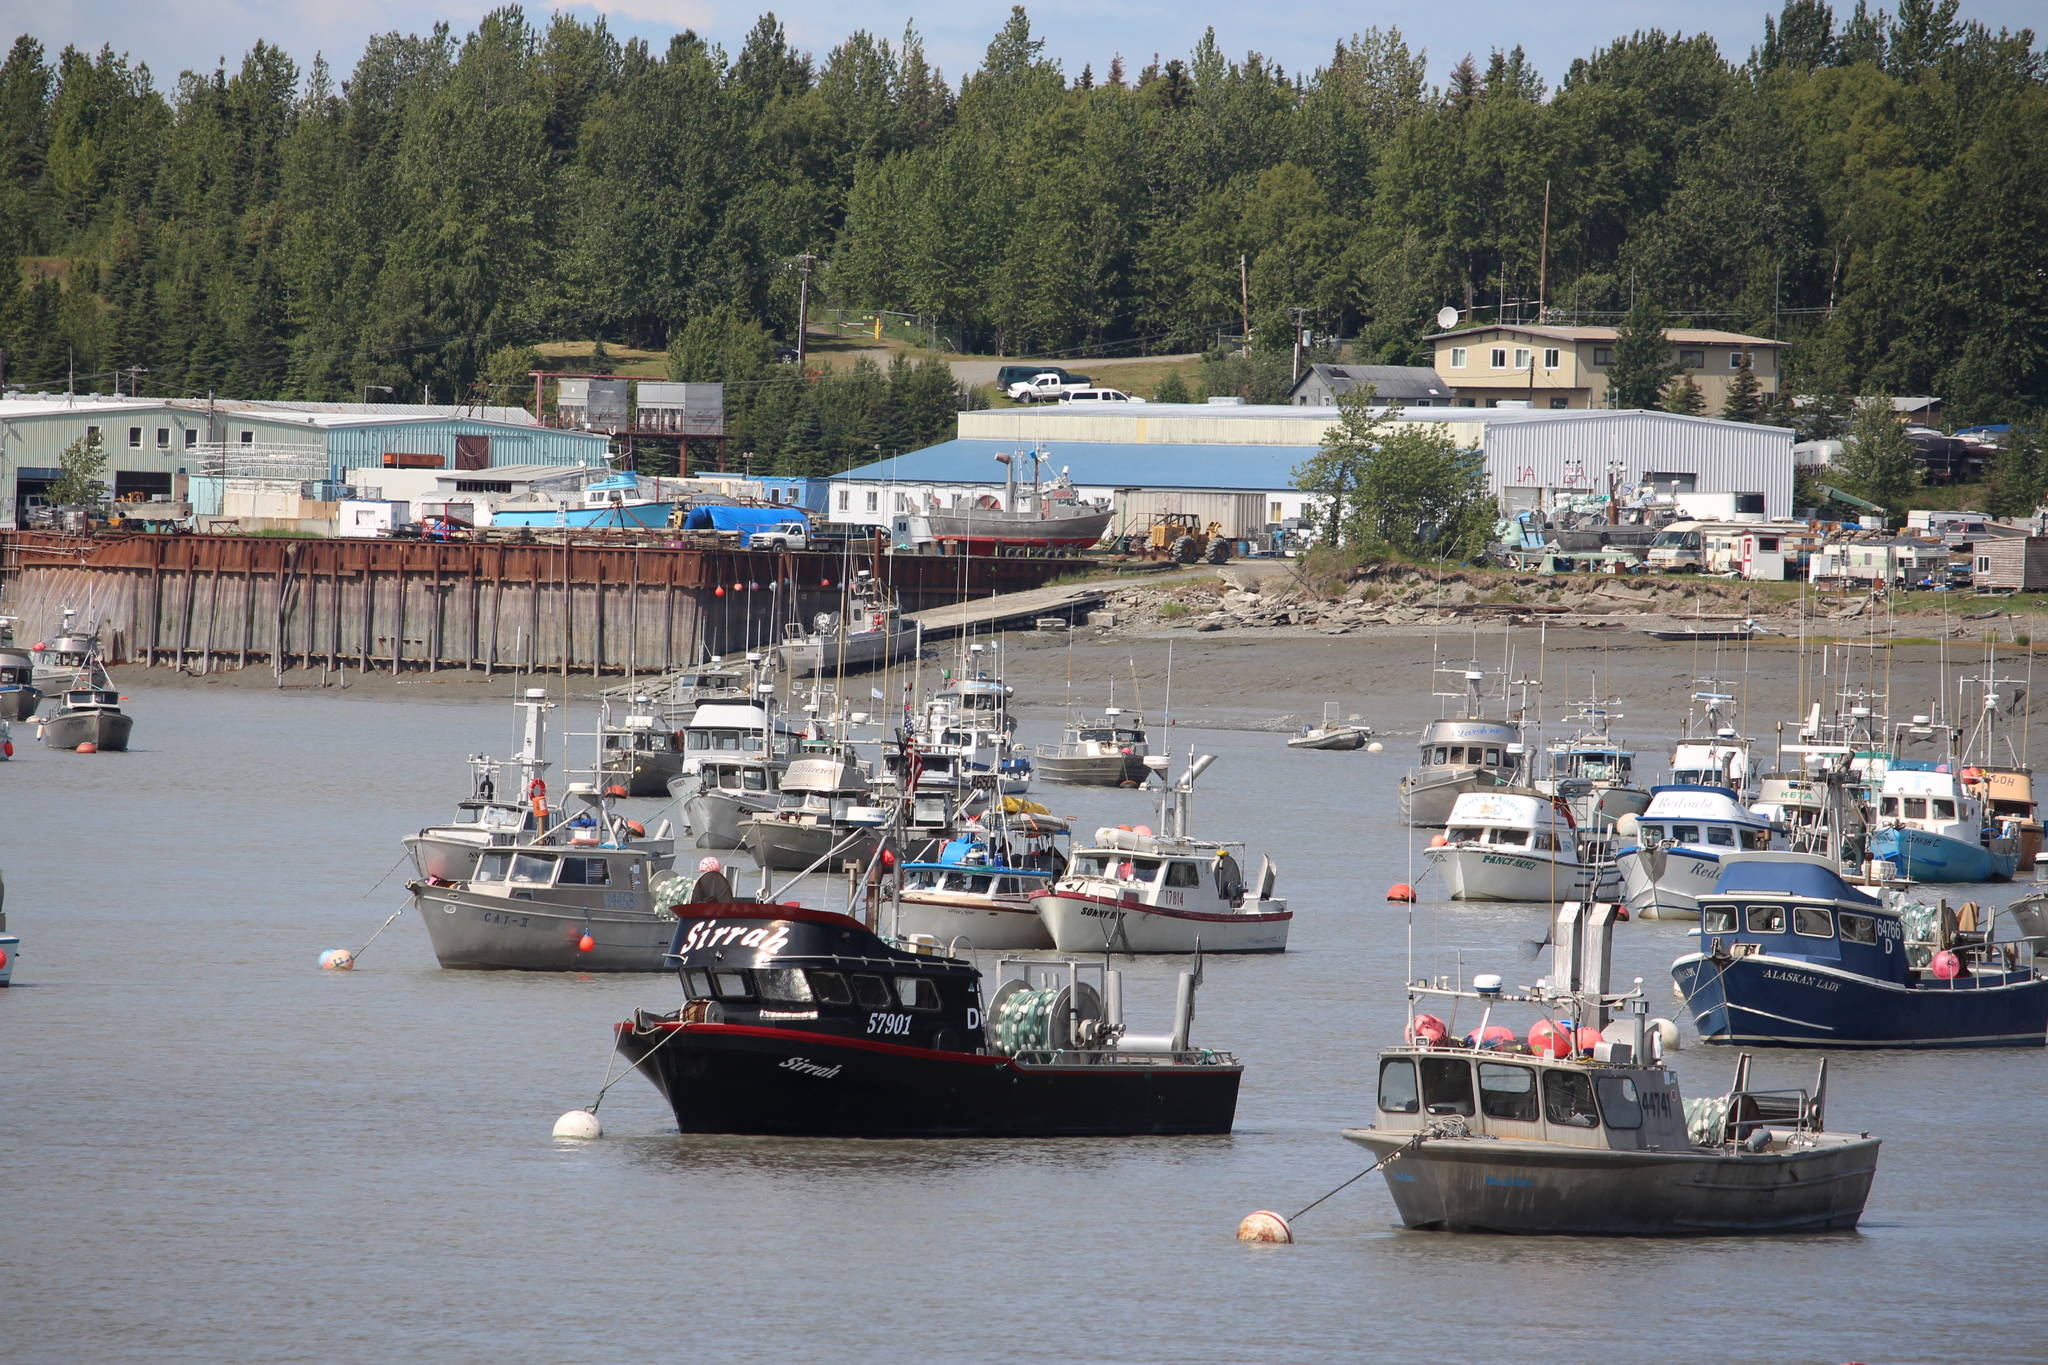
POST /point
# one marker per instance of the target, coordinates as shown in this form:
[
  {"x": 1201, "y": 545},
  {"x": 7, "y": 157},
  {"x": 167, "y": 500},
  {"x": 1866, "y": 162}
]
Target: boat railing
[{"x": 1110, "y": 1056}]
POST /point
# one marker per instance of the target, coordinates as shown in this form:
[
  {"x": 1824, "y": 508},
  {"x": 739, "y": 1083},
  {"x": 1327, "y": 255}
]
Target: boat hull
[
  {"x": 491, "y": 933},
  {"x": 10, "y": 951},
  {"x": 1098, "y": 770},
  {"x": 730, "y": 1078},
  {"x": 1480, "y": 873},
  {"x": 793, "y": 846},
  {"x": 715, "y": 816},
  {"x": 833, "y": 654},
  {"x": 979, "y": 531},
  {"x": 1339, "y": 740},
  {"x": 1769, "y": 1001},
  {"x": 1923, "y": 856},
  {"x": 1483, "y": 1185},
  {"x": 19, "y": 703},
  {"x": 1090, "y": 924},
  {"x": 1428, "y": 796},
  {"x": 449, "y": 854},
  {"x": 643, "y": 772},
  {"x": 1667, "y": 883},
  {"x": 983, "y": 924},
  {"x": 102, "y": 729}
]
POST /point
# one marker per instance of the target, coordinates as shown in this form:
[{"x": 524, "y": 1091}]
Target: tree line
[{"x": 1870, "y": 186}]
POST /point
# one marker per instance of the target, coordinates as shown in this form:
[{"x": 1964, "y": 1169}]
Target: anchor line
[
  {"x": 1410, "y": 1145},
  {"x": 380, "y": 929},
  {"x": 609, "y": 1081},
  {"x": 387, "y": 875}
]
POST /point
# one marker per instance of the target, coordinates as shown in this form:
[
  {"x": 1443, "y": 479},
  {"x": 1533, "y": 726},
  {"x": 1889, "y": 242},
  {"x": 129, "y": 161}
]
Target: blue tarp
[
  {"x": 1786, "y": 878},
  {"x": 741, "y": 518}
]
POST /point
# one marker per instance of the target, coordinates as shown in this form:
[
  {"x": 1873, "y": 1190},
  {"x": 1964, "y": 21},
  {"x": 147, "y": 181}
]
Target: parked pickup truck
[
  {"x": 1015, "y": 374},
  {"x": 1099, "y": 396},
  {"x": 1047, "y": 386},
  {"x": 783, "y": 535}
]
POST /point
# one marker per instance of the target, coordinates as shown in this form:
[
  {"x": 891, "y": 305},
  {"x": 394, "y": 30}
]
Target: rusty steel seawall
[{"x": 206, "y": 602}]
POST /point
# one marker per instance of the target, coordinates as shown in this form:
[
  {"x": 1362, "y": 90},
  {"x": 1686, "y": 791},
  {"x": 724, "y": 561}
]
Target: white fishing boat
[
  {"x": 1517, "y": 845},
  {"x": 978, "y": 888},
  {"x": 1332, "y": 733},
  {"x": 1709, "y": 751},
  {"x": 507, "y": 803},
  {"x": 1137, "y": 891},
  {"x": 1672, "y": 854},
  {"x": 867, "y": 632},
  {"x": 1594, "y": 774},
  {"x": 1459, "y": 754}
]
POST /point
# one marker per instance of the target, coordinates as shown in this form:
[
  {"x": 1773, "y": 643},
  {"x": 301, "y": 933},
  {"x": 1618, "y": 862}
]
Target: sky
[{"x": 175, "y": 35}]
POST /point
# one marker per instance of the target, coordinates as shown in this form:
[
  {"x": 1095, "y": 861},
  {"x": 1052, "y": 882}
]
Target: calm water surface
[{"x": 216, "y": 1151}]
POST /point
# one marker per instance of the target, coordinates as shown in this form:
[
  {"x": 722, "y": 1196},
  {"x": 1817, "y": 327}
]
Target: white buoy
[
  {"x": 1667, "y": 1034},
  {"x": 338, "y": 960},
  {"x": 1264, "y": 1226},
  {"x": 1375, "y": 748},
  {"x": 1626, "y": 826},
  {"x": 580, "y": 1124}
]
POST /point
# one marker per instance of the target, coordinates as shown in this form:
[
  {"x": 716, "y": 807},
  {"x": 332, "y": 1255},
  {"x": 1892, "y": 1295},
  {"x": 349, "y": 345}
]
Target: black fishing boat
[{"x": 805, "y": 1023}]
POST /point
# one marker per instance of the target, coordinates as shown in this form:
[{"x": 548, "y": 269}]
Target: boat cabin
[
  {"x": 1925, "y": 796},
  {"x": 725, "y": 728},
  {"x": 642, "y": 734},
  {"x": 1511, "y": 822},
  {"x": 1483, "y": 744},
  {"x": 68, "y": 653},
  {"x": 1593, "y": 763},
  {"x": 1573, "y": 1102},
  {"x": 1702, "y": 817},
  {"x": 735, "y": 775},
  {"x": 91, "y": 699},
  {"x": 519, "y": 872},
  {"x": 1114, "y": 733}
]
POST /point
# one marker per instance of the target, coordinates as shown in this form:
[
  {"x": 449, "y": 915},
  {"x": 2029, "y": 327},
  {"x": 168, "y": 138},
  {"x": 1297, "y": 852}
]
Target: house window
[
  {"x": 1692, "y": 360},
  {"x": 248, "y": 438},
  {"x": 191, "y": 437},
  {"x": 1560, "y": 402},
  {"x": 135, "y": 438},
  {"x": 1552, "y": 357},
  {"x": 872, "y": 501},
  {"x": 1983, "y": 563},
  {"x": 1274, "y": 514},
  {"x": 1603, "y": 355},
  {"x": 1737, "y": 359},
  {"x": 902, "y": 503},
  {"x": 163, "y": 438},
  {"x": 1521, "y": 357},
  {"x": 92, "y": 433},
  {"x": 1457, "y": 357},
  {"x": 1500, "y": 357},
  {"x": 842, "y": 499}
]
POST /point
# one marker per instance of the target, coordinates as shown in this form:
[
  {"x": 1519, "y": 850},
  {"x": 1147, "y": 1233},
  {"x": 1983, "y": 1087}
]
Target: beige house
[{"x": 1566, "y": 367}]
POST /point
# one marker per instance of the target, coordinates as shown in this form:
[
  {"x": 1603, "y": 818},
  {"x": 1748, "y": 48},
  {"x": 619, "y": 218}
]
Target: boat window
[
  {"x": 829, "y": 987},
  {"x": 1686, "y": 834},
  {"x": 1858, "y": 928},
  {"x": 1397, "y": 1086},
  {"x": 869, "y": 992},
  {"x": 696, "y": 739},
  {"x": 494, "y": 867},
  {"x": 585, "y": 872},
  {"x": 917, "y": 992},
  {"x": 1447, "y": 1085},
  {"x": 754, "y": 780},
  {"x": 1757, "y": 839},
  {"x": 1543, "y": 839},
  {"x": 731, "y": 985},
  {"x": 1507, "y": 1091},
  {"x": 1090, "y": 865},
  {"x": 1916, "y": 808},
  {"x": 1888, "y": 806},
  {"x": 783, "y": 985},
  {"x": 1442, "y": 755},
  {"x": 1493, "y": 758},
  {"x": 1812, "y": 921},
  {"x": 1720, "y": 837},
  {"x": 1767, "y": 919},
  {"x": 1183, "y": 874},
  {"x": 1139, "y": 869},
  {"x": 1649, "y": 832},
  {"x": 528, "y": 870},
  {"x": 1460, "y": 835},
  {"x": 1568, "y": 1099},
  {"x": 1619, "y": 1103},
  {"x": 697, "y": 984},
  {"x": 1943, "y": 809},
  {"x": 1717, "y": 919}
]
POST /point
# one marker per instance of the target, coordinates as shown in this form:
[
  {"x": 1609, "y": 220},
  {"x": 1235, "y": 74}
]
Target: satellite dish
[{"x": 1447, "y": 317}]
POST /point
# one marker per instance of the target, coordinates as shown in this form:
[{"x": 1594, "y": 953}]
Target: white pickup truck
[
  {"x": 1048, "y": 387},
  {"x": 783, "y": 535}
]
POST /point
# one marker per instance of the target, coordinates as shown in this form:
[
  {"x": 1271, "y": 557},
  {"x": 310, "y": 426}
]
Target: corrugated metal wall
[
  {"x": 364, "y": 447},
  {"x": 1242, "y": 514},
  {"x": 1724, "y": 457}
]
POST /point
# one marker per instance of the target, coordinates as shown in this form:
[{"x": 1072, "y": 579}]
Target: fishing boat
[
  {"x": 1137, "y": 891},
  {"x": 731, "y": 729},
  {"x": 1791, "y": 955},
  {"x": 1932, "y": 827},
  {"x": 830, "y": 811},
  {"x": 613, "y": 502},
  {"x": 578, "y": 897},
  {"x": 1332, "y": 733},
  {"x": 1993, "y": 770},
  {"x": 868, "y": 632},
  {"x": 725, "y": 791},
  {"x": 73, "y": 651},
  {"x": 1577, "y": 1128},
  {"x": 88, "y": 715},
  {"x": 1518, "y": 845},
  {"x": 1709, "y": 751},
  {"x": 10, "y": 944},
  {"x": 806, "y": 1023},
  {"x": 1460, "y": 754},
  {"x": 1050, "y": 516},
  {"x": 1592, "y": 773},
  {"x": 1672, "y": 854},
  {"x": 19, "y": 694},
  {"x": 979, "y": 887},
  {"x": 507, "y": 803},
  {"x": 640, "y": 754},
  {"x": 967, "y": 730},
  {"x": 1105, "y": 752}
]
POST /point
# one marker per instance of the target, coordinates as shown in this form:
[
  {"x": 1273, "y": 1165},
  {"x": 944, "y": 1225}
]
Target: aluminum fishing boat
[
  {"x": 640, "y": 754},
  {"x": 1456, "y": 755},
  {"x": 507, "y": 803},
  {"x": 1577, "y": 1128},
  {"x": 74, "y": 650},
  {"x": 867, "y": 633},
  {"x": 806, "y": 1023},
  {"x": 1791, "y": 955},
  {"x": 1105, "y": 752},
  {"x": 88, "y": 715},
  {"x": 1334, "y": 734},
  {"x": 979, "y": 887},
  {"x": 1050, "y": 516},
  {"x": 19, "y": 694},
  {"x": 726, "y": 791}
]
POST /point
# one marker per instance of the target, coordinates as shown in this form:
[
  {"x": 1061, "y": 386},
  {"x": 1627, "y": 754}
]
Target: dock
[{"x": 1010, "y": 610}]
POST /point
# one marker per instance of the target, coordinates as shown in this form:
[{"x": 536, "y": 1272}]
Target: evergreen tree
[
  {"x": 2019, "y": 475},
  {"x": 1642, "y": 358},
  {"x": 1683, "y": 396},
  {"x": 1878, "y": 462},
  {"x": 1172, "y": 389},
  {"x": 1745, "y": 402}
]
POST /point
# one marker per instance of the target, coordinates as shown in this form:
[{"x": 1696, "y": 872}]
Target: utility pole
[
  {"x": 1244, "y": 303},
  {"x": 1543, "y": 259},
  {"x": 1297, "y": 341},
  {"x": 803, "y": 306}
]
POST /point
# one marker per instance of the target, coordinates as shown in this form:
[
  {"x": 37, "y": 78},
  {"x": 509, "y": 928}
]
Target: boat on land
[
  {"x": 1578, "y": 1128},
  {"x": 613, "y": 502},
  {"x": 1517, "y": 844},
  {"x": 1460, "y": 754},
  {"x": 1332, "y": 733},
  {"x": 806, "y": 1023},
  {"x": 867, "y": 632},
  {"x": 88, "y": 715},
  {"x": 1791, "y": 955},
  {"x": 1137, "y": 891},
  {"x": 1105, "y": 752},
  {"x": 1673, "y": 853},
  {"x": 1052, "y": 516}
]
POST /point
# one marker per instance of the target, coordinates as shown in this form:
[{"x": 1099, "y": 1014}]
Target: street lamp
[{"x": 369, "y": 389}]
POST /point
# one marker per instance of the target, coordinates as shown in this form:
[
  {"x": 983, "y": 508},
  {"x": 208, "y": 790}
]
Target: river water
[{"x": 217, "y": 1151}]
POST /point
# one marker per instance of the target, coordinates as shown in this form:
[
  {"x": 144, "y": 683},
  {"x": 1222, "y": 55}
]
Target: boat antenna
[{"x": 1166, "y": 712}]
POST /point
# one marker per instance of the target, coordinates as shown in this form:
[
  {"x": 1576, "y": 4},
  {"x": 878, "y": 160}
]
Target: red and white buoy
[{"x": 1264, "y": 1226}]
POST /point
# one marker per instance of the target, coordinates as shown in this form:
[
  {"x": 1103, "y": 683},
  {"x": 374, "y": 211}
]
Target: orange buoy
[
  {"x": 615, "y": 790},
  {"x": 1427, "y": 1028},
  {"x": 88, "y": 748},
  {"x": 718, "y": 592},
  {"x": 1548, "y": 1040},
  {"x": 636, "y": 829},
  {"x": 585, "y": 944},
  {"x": 1439, "y": 840},
  {"x": 1401, "y": 891}
]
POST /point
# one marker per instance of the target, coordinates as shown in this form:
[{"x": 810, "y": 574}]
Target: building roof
[
  {"x": 1098, "y": 464},
  {"x": 1695, "y": 335},
  {"x": 1391, "y": 381},
  {"x": 1327, "y": 413},
  {"x": 514, "y": 473},
  {"x": 57, "y": 404},
  {"x": 312, "y": 414},
  {"x": 509, "y": 416}
]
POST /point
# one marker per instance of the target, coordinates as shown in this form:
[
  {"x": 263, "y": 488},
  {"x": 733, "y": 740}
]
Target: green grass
[
  {"x": 1174, "y": 611},
  {"x": 626, "y": 361}
]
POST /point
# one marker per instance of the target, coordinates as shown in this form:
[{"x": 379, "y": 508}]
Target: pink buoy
[
  {"x": 1439, "y": 840},
  {"x": 1427, "y": 1028},
  {"x": 1946, "y": 965},
  {"x": 1547, "y": 1040},
  {"x": 1400, "y": 891},
  {"x": 1142, "y": 831},
  {"x": 707, "y": 863}
]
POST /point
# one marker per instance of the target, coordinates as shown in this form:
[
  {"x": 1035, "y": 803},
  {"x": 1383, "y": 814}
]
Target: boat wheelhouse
[
  {"x": 641, "y": 754},
  {"x": 1791, "y": 955},
  {"x": 19, "y": 695},
  {"x": 725, "y": 791},
  {"x": 1457, "y": 755},
  {"x": 1594, "y": 775},
  {"x": 1098, "y": 752},
  {"x": 507, "y": 803},
  {"x": 728, "y": 729},
  {"x": 867, "y": 632},
  {"x": 803, "y": 1022},
  {"x": 1673, "y": 853},
  {"x": 1931, "y": 828},
  {"x": 1517, "y": 845}
]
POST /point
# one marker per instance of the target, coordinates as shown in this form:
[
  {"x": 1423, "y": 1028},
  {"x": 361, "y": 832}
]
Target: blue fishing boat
[
  {"x": 613, "y": 502},
  {"x": 1791, "y": 955},
  {"x": 1933, "y": 827}
]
